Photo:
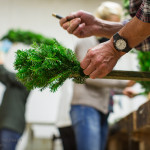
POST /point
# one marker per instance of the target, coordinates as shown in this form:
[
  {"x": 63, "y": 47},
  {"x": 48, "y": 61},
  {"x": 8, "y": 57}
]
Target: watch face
[{"x": 121, "y": 44}]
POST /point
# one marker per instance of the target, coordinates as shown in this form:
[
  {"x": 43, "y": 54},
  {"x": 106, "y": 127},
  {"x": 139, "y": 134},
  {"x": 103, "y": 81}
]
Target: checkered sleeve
[
  {"x": 143, "y": 12},
  {"x": 144, "y": 46}
]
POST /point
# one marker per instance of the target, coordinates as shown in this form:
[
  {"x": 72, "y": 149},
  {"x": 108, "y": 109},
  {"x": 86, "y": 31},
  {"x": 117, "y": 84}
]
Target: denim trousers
[
  {"x": 90, "y": 127},
  {"x": 8, "y": 139}
]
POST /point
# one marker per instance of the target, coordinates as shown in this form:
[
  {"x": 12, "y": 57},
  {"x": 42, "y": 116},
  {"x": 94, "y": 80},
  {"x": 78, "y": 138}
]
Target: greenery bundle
[
  {"x": 27, "y": 37},
  {"x": 47, "y": 66}
]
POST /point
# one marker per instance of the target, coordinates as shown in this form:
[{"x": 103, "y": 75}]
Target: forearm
[
  {"x": 106, "y": 28},
  {"x": 111, "y": 83},
  {"x": 135, "y": 32}
]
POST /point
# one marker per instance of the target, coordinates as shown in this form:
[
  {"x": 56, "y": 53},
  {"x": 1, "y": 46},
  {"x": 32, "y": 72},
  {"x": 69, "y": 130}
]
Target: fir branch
[{"x": 47, "y": 66}]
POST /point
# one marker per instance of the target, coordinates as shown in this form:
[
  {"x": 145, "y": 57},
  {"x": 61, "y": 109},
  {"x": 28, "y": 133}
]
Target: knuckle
[
  {"x": 97, "y": 61},
  {"x": 80, "y": 11},
  {"x": 91, "y": 53}
]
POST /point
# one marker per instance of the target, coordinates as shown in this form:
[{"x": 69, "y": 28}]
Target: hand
[
  {"x": 129, "y": 92},
  {"x": 81, "y": 24},
  {"x": 100, "y": 60},
  {"x": 131, "y": 83}
]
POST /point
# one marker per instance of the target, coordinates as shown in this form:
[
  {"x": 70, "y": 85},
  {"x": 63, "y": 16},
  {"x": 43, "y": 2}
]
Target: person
[
  {"x": 102, "y": 58},
  {"x": 90, "y": 106},
  {"x": 63, "y": 121},
  {"x": 12, "y": 108}
]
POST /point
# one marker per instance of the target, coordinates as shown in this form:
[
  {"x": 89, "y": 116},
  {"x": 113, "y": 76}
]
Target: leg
[
  {"x": 68, "y": 138},
  {"x": 86, "y": 124},
  {"x": 8, "y": 139},
  {"x": 104, "y": 130}
]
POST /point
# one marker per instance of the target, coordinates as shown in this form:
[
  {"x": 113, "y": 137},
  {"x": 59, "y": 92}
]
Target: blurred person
[
  {"x": 124, "y": 36},
  {"x": 12, "y": 108},
  {"x": 63, "y": 121},
  {"x": 92, "y": 101}
]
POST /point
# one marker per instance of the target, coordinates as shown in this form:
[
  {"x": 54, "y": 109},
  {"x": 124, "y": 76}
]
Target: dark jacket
[{"x": 12, "y": 108}]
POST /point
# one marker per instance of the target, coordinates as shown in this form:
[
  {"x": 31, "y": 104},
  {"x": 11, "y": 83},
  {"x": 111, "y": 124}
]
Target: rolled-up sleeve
[{"x": 143, "y": 12}]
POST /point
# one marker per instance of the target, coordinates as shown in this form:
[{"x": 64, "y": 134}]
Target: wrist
[
  {"x": 107, "y": 29},
  {"x": 97, "y": 28},
  {"x": 119, "y": 53}
]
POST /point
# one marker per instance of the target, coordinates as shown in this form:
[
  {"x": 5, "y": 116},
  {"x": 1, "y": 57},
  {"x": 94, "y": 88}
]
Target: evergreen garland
[
  {"x": 27, "y": 37},
  {"x": 47, "y": 66}
]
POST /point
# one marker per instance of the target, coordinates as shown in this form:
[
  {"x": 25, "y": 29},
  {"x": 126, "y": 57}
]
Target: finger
[
  {"x": 72, "y": 16},
  {"x": 74, "y": 24},
  {"x": 100, "y": 72},
  {"x": 85, "y": 63},
  {"x": 95, "y": 74},
  {"x": 89, "y": 69},
  {"x": 70, "y": 26},
  {"x": 62, "y": 21},
  {"x": 66, "y": 25},
  {"x": 79, "y": 31}
]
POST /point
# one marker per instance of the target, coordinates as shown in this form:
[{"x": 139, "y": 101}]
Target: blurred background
[{"x": 45, "y": 111}]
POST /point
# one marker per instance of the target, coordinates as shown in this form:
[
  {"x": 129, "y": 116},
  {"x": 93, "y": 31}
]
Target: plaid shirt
[{"x": 141, "y": 9}]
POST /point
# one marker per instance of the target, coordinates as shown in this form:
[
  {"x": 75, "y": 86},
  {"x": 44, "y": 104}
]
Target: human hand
[
  {"x": 130, "y": 92},
  {"x": 81, "y": 24},
  {"x": 100, "y": 60},
  {"x": 131, "y": 83}
]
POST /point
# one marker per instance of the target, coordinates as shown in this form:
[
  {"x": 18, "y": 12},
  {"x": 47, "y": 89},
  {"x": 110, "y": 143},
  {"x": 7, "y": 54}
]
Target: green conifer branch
[{"x": 47, "y": 66}]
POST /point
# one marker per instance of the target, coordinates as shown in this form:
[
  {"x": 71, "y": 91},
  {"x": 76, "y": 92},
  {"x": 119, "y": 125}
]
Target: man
[{"x": 101, "y": 59}]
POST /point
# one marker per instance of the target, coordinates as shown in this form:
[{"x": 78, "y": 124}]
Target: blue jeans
[
  {"x": 90, "y": 127},
  {"x": 8, "y": 139}
]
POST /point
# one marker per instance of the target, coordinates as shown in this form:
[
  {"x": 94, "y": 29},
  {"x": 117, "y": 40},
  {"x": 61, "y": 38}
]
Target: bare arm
[
  {"x": 101, "y": 59},
  {"x": 99, "y": 83},
  {"x": 135, "y": 31},
  {"x": 83, "y": 24}
]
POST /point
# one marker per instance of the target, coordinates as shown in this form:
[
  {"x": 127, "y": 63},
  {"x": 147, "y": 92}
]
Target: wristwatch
[{"x": 120, "y": 43}]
